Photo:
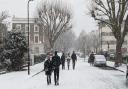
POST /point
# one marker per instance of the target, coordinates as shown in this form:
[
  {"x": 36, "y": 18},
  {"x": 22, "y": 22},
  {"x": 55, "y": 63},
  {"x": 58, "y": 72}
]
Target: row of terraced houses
[
  {"x": 108, "y": 42},
  {"x": 38, "y": 40}
]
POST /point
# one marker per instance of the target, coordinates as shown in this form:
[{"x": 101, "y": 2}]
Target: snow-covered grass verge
[{"x": 121, "y": 68}]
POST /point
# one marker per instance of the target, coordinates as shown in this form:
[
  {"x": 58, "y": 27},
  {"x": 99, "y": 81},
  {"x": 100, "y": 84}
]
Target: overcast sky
[{"x": 81, "y": 19}]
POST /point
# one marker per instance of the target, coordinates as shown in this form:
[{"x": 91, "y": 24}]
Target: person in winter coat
[
  {"x": 91, "y": 58},
  {"x": 48, "y": 69},
  {"x": 63, "y": 61},
  {"x": 56, "y": 64},
  {"x": 74, "y": 59},
  {"x": 68, "y": 60}
]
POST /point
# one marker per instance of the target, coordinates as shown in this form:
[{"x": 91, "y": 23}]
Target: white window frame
[
  {"x": 37, "y": 28},
  {"x": 18, "y": 25},
  {"x": 26, "y": 28},
  {"x": 34, "y": 38}
]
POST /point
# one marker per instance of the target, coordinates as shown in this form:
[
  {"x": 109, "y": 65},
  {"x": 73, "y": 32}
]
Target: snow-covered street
[{"x": 83, "y": 77}]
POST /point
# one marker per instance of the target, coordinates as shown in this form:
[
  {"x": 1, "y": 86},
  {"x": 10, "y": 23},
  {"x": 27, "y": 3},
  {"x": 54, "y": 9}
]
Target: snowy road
[{"x": 83, "y": 77}]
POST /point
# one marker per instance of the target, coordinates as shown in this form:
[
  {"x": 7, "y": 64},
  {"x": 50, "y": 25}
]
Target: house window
[
  {"x": 36, "y": 50},
  {"x": 36, "y": 28},
  {"x": 36, "y": 38},
  {"x": 104, "y": 42},
  {"x": 18, "y": 26},
  {"x": 110, "y": 34},
  {"x": 112, "y": 42},
  {"x": 26, "y": 28},
  {"x": 103, "y": 33}
]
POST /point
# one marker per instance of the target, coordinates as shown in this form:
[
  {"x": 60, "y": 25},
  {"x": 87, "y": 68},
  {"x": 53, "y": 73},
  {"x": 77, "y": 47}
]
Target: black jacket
[
  {"x": 63, "y": 59},
  {"x": 74, "y": 57},
  {"x": 56, "y": 61},
  {"x": 92, "y": 57},
  {"x": 48, "y": 67}
]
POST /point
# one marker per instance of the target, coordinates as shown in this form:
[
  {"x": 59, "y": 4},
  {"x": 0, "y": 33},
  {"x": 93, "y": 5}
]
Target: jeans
[
  {"x": 48, "y": 79},
  {"x": 56, "y": 76}
]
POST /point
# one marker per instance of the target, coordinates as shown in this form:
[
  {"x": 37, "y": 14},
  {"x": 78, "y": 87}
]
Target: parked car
[{"x": 99, "y": 60}]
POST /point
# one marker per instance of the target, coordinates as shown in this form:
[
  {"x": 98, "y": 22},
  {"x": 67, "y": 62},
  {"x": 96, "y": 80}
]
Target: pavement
[{"x": 122, "y": 68}]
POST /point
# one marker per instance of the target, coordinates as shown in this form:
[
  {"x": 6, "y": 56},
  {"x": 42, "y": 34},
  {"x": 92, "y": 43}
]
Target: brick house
[{"x": 36, "y": 35}]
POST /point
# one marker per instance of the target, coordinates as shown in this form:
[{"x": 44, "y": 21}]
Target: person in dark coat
[
  {"x": 68, "y": 60},
  {"x": 63, "y": 61},
  {"x": 56, "y": 64},
  {"x": 74, "y": 59},
  {"x": 48, "y": 69},
  {"x": 91, "y": 58}
]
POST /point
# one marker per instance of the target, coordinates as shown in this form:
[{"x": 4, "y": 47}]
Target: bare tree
[
  {"x": 66, "y": 41},
  {"x": 3, "y": 16},
  {"x": 95, "y": 41},
  {"x": 88, "y": 42},
  {"x": 114, "y": 14},
  {"x": 3, "y": 26},
  {"x": 82, "y": 43},
  {"x": 54, "y": 20}
]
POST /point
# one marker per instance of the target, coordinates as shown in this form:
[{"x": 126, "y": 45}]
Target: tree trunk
[
  {"x": 52, "y": 47},
  {"x": 118, "y": 59}
]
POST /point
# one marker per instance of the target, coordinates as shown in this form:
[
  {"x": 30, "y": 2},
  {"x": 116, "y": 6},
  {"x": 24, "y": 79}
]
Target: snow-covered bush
[{"x": 15, "y": 49}]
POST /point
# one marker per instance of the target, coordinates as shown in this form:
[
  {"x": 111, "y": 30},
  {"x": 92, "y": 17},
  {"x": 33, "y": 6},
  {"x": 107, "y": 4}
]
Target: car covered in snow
[{"x": 99, "y": 60}]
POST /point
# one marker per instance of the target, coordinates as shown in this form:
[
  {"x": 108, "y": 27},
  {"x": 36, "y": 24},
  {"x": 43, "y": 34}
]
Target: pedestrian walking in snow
[
  {"x": 63, "y": 61},
  {"x": 48, "y": 68},
  {"x": 91, "y": 58},
  {"x": 74, "y": 59},
  {"x": 56, "y": 64},
  {"x": 68, "y": 60}
]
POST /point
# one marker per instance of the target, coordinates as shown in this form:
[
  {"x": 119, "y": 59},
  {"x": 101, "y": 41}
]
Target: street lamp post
[
  {"x": 100, "y": 35},
  {"x": 108, "y": 46},
  {"x": 28, "y": 37}
]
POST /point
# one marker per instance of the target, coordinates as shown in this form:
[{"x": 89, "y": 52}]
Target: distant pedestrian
[
  {"x": 106, "y": 55},
  {"x": 63, "y": 61},
  {"x": 91, "y": 58},
  {"x": 48, "y": 68},
  {"x": 56, "y": 64},
  {"x": 68, "y": 60},
  {"x": 74, "y": 59}
]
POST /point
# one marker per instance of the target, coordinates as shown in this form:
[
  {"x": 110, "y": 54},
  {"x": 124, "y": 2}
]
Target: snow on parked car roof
[{"x": 100, "y": 58}]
